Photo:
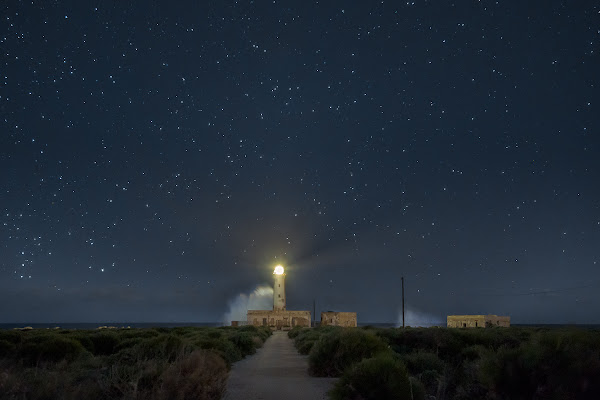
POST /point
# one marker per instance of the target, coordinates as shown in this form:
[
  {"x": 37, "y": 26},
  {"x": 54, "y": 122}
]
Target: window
[
  {"x": 475, "y": 324},
  {"x": 279, "y": 285},
  {"x": 278, "y": 295}
]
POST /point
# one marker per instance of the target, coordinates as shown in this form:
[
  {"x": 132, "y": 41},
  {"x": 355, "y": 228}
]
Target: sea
[{"x": 96, "y": 325}]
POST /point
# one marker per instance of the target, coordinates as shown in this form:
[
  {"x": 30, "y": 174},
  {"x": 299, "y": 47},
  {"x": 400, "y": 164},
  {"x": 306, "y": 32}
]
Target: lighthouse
[
  {"x": 279, "y": 289},
  {"x": 279, "y": 318}
]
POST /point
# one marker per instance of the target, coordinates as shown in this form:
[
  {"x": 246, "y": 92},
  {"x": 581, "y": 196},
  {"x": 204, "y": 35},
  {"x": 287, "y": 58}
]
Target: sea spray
[
  {"x": 415, "y": 318},
  {"x": 261, "y": 298}
]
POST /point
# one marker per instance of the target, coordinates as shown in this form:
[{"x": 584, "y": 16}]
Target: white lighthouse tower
[{"x": 279, "y": 289}]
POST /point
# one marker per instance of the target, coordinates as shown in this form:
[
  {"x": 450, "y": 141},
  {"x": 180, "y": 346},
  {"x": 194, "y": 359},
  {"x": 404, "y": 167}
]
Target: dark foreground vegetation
[
  {"x": 440, "y": 363},
  {"x": 155, "y": 363}
]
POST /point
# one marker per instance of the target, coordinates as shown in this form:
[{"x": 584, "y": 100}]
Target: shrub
[
  {"x": 243, "y": 341},
  {"x": 380, "y": 377},
  {"x": 7, "y": 349},
  {"x": 163, "y": 347},
  {"x": 295, "y": 331},
  {"x": 306, "y": 339},
  {"x": 105, "y": 343},
  {"x": 339, "y": 349},
  {"x": 421, "y": 361},
  {"x": 306, "y": 346},
  {"x": 509, "y": 373},
  {"x": 473, "y": 352},
  {"x": 431, "y": 381},
  {"x": 51, "y": 348},
  {"x": 81, "y": 337},
  {"x": 11, "y": 336},
  {"x": 262, "y": 332},
  {"x": 201, "y": 375},
  {"x": 215, "y": 334},
  {"x": 229, "y": 351},
  {"x": 128, "y": 343}
]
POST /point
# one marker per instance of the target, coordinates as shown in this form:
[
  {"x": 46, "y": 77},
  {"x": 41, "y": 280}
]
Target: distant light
[{"x": 278, "y": 270}]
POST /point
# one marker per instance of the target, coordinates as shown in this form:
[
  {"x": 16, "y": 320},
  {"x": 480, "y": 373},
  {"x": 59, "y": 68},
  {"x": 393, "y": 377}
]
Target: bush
[
  {"x": 295, "y": 331},
  {"x": 552, "y": 365},
  {"x": 7, "y": 349},
  {"x": 105, "y": 343},
  {"x": 14, "y": 337},
  {"x": 339, "y": 349},
  {"x": 262, "y": 332},
  {"x": 163, "y": 347},
  {"x": 243, "y": 341},
  {"x": 51, "y": 348},
  {"x": 306, "y": 339},
  {"x": 380, "y": 377},
  {"x": 201, "y": 375},
  {"x": 229, "y": 351},
  {"x": 421, "y": 361},
  {"x": 82, "y": 337}
]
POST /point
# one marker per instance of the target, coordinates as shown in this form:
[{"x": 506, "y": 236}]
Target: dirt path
[{"x": 276, "y": 371}]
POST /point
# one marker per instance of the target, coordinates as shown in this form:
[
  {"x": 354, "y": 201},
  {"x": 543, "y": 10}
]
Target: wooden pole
[{"x": 402, "y": 302}]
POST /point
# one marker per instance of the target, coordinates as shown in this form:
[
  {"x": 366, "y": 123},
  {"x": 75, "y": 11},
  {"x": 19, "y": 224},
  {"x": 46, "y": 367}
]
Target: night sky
[{"x": 158, "y": 159}]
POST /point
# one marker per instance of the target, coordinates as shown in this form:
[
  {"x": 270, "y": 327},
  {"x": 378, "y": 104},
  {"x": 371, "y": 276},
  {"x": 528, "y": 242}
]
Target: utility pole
[{"x": 402, "y": 302}]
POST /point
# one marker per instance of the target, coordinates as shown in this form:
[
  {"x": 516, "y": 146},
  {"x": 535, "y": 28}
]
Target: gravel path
[{"x": 276, "y": 371}]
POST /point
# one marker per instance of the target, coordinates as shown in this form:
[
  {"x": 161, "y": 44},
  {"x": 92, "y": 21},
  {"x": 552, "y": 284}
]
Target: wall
[
  {"x": 476, "y": 321},
  {"x": 495, "y": 320},
  {"x": 283, "y": 320},
  {"x": 331, "y": 318},
  {"x": 466, "y": 321}
]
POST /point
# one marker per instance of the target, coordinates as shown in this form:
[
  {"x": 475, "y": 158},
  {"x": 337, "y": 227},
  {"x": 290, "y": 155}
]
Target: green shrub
[
  {"x": 243, "y": 341},
  {"x": 380, "y": 377},
  {"x": 306, "y": 346},
  {"x": 50, "y": 349},
  {"x": 473, "y": 352},
  {"x": 417, "y": 389},
  {"x": 105, "y": 343},
  {"x": 163, "y": 347},
  {"x": 215, "y": 334},
  {"x": 7, "y": 349},
  {"x": 128, "y": 343},
  {"x": 339, "y": 349},
  {"x": 306, "y": 339},
  {"x": 431, "y": 381},
  {"x": 262, "y": 332},
  {"x": 551, "y": 365},
  {"x": 295, "y": 331},
  {"x": 14, "y": 337},
  {"x": 83, "y": 338},
  {"x": 508, "y": 372},
  {"x": 229, "y": 351},
  {"x": 420, "y": 361},
  {"x": 201, "y": 375}
]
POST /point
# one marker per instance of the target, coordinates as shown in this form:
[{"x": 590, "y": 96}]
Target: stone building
[
  {"x": 476, "y": 321},
  {"x": 279, "y": 318},
  {"x": 332, "y": 318}
]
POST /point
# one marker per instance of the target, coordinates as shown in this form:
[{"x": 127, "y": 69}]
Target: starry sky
[{"x": 158, "y": 159}]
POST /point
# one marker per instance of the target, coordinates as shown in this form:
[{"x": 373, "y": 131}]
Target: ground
[{"x": 276, "y": 371}]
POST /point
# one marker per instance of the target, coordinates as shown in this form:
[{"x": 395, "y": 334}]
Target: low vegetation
[
  {"x": 439, "y": 363},
  {"x": 155, "y": 363}
]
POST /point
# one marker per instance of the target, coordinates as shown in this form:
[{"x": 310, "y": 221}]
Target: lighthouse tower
[{"x": 279, "y": 289}]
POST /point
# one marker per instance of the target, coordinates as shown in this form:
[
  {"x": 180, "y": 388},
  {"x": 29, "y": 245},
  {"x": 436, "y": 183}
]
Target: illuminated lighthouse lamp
[{"x": 279, "y": 289}]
